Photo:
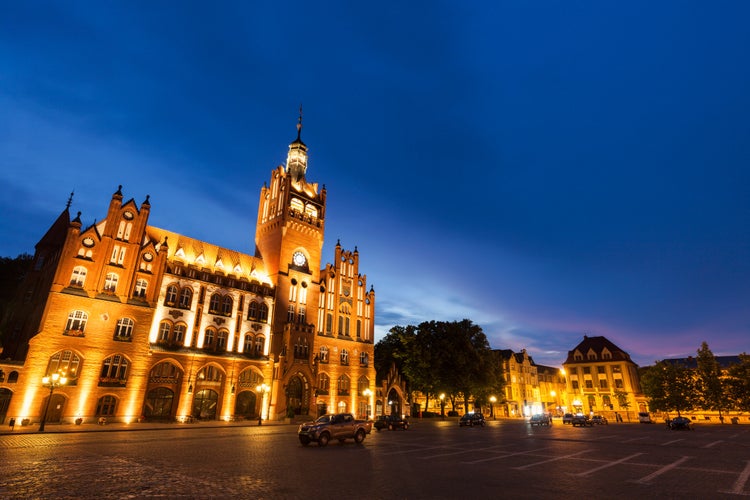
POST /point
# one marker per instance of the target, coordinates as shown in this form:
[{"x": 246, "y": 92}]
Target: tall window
[
  {"x": 323, "y": 383},
  {"x": 259, "y": 341},
  {"x": 124, "y": 329},
  {"x": 208, "y": 339},
  {"x": 76, "y": 321},
  {"x": 141, "y": 286},
  {"x": 110, "y": 282},
  {"x": 171, "y": 298},
  {"x": 252, "y": 310},
  {"x": 248, "y": 349},
  {"x": 114, "y": 369},
  {"x": 186, "y": 298},
  {"x": 226, "y": 305},
  {"x": 221, "y": 340},
  {"x": 106, "y": 406},
  {"x": 66, "y": 363},
  {"x": 165, "y": 329},
  {"x": 323, "y": 354},
  {"x": 363, "y": 358},
  {"x": 343, "y": 385},
  {"x": 301, "y": 314},
  {"x": 213, "y": 305},
  {"x": 78, "y": 278},
  {"x": 263, "y": 313},
  {"x": 179, "y": 334},
  {"x": 344, "y": 357}
]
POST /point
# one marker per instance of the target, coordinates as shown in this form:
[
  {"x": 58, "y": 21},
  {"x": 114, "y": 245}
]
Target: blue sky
[{"x": 545, "y": 169}]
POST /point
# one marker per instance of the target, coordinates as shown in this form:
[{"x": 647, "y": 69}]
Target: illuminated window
[
  {"x": 252, "y": 310},
  {"x": 226, "y": 306},
  {"x": 311, "y": 210},
  {"x": 344, "y": 357},
  {"x": 221, "y": 340},
  {"x": 213, "y": 306},
  {"x": 106, "y": 406},
  {"x": 66, "y": 363},
  {"x": 141, "y": 286},
  {"x": 364, "y": 359},
  {"x": 248, "y": 349},
  {"x": 110, "y": 282},
  {"x": 78, "y": 278},
  {"x": 290, "y": 314},
  {"x": 263, "y": 313},
  {"x": 76, "y": 321},
  {"x": 114, "y": 370},
  {"x": 186, "y": 298},
  {"x": 296, "y": 204},
  {"x": 342, "y": 385},
  {"x": 171, "y": 297},
  {"x": 179, "y": 334},
  {"x": 259, "y": 344},
  {"x": 165, "y": 329},
  {"x": 124, "y": 328},
  {"x": 301, "y": 314},
  {"x": 324, "y": 382},
  {"x": 362, "y": 384},
  {"x": 323, "y": 354},
  {"x": 210, "y": 374},
  {"x": 208, "y": 340}
]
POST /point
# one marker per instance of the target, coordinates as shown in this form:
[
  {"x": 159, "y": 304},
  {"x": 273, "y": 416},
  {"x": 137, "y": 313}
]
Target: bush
[
  {"x": 452, "y": 413},
  {"x": 429, "y": 414}
]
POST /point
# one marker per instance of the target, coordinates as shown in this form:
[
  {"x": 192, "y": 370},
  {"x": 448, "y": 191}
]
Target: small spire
[
  {"x": 70, "y": 200},
  {"x": 146, "y": 202},
  {"x": 78, "y": 218},
  {"x": 299, "y": 124}
]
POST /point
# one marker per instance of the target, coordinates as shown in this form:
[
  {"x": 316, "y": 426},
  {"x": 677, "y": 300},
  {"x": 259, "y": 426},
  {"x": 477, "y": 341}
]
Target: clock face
[
  {"x": 299, "y": 259},
  {"x": 128, "y": 215},
  {"x": 148, "y": 257},
  {"x": 88, "y": 242}
]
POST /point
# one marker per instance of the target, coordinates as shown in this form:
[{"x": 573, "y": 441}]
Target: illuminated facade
[
  {"x": 530, "y": 389},
  {"x": 601, "y": 378},
  {"x": 150, "y": 324}
]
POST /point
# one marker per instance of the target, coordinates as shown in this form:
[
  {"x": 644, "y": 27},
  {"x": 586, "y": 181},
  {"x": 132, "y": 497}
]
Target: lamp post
[
  {"x": 367, "y": 393},
  {"x": 442, "y": 405},
  {"x": 263, "y": 390},
  {"x": 54, "y": 381},
  {"x": 493, "y": 400}
]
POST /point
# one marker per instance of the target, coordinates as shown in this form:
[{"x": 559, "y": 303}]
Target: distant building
[
  {"x": 144, "y": 322},
  {"x": 529, "y": 388},
  {"x": 601, "y": 378}
]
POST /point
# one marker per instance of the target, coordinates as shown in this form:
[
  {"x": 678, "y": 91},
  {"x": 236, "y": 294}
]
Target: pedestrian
[{"x": 12, "y": 423}]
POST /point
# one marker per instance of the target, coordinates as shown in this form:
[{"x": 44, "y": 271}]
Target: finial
[
  {"x": 299, "y": 123},
  {"x": 70, "y": 200}
]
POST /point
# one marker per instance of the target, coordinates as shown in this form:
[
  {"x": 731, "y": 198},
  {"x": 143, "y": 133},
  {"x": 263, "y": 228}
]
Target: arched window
[
  {"x": 221, "y": 340},
  {"x": 249, "y": 379},
  {"x": 186, "y": 298},
  {"x": 141, "y": 286},
  {"x": 110, "y": 282},
  {"x": 165, "y": 329},
  {"x": 76, "y": 322},
  {"x": 362, "y": 384},
  {"x": 364, "y": 359},
  {"x": 210, "y": 374},
  {"x": 78, "y": 278},
  {"x": 164, "y": 372},
  {"x": 106, "y": 406},
  {"x": 179, "y": 334},
  {"x": 329, "y": 323},
  {"x": 208, "y": 339},
  {"x": 114, "y": 371},
  {"x": 323, "y": 354},
  {"x": 252, "y": 310},
  {"x": 263, "y": 313},
  {"x": 344, "y": 357},
  {"x": 171, "y": 297},
  {"x": 124, "y": 329},
  {"x": 226, "y": 305},
  {"x": 323, "y": 383},
  {"x": 66, "y": 363},
  {"x": 259, "y": 343},
  {"x": 213, "y": 305},
  {"x": 342, "y": 385},
  {"x": 248, "y": 348}
]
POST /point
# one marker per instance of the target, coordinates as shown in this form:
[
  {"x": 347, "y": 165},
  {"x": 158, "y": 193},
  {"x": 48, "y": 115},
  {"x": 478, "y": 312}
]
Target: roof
[{"x": 599, "y": 346}]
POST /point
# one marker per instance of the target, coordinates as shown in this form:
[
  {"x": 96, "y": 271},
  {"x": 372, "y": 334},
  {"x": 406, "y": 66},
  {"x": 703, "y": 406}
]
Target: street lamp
[
  {"x": 367, "y": 393},
  {"x": 493, "y": 400},
  {"x": 442, "y": 405},
  {"x": 263, "y": 389},
  {"x": 52, "y": 382}
]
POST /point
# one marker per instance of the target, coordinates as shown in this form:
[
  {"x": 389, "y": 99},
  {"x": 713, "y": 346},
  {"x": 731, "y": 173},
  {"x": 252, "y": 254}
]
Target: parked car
[
  {"x": 341, "y": 426},
  {"x": 644, "y": 418},
  {"x": 471, "y": 419},
  {"x": 540, "y": 420},
  {"x": 581, "y": 420},
  {"x": 599, "y": 420},
  {"x": 680, "y": 423},
  {"x": 391, "y": 422},
  {"x": 567, "y": 418}
]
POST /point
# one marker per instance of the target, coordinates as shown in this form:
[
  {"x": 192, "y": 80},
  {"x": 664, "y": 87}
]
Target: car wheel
[
  {"x": 406, "y": 426},
  {"x": 304, "y": 440},
  {"x": 323, "y": 439},
  {"x": 359, "y": 436},
  {"x": 390, "y": 427}
]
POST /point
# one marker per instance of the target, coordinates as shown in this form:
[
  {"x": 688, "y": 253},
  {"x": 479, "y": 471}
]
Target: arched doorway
[
  {"x": 55, "y": 408},
  {"x": 205, "y": 404},
  {"x": 158, "y": 404},
  {"x": 245, "y": 405},
  {"x": 294, "y": 395},
  {"x": 395, "y": 404},
  {"x": 5, "y": 397}
]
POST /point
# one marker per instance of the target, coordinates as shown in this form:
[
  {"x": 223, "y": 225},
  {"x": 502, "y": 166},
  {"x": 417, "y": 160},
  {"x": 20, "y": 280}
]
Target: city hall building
[{"x": 144, "y": 323}]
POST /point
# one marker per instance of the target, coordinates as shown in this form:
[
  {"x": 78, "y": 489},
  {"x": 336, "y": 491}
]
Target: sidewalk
[{"x": 54, "y": 428}]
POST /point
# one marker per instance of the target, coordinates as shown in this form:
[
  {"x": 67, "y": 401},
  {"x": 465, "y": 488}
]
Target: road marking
[
  {"x": 505, "y": 456},
  {"x": 463, "y": 450},
  {"x": 609, "y": 464},
  {"x": 739, "y": 485},
  {"x": 666, "y": 468},
  {"x": 528, "y": 466},
  {"x": 635, "y": 439},
  {"x": 711, "y": 444},
  {"x": 673, "y": 441}
]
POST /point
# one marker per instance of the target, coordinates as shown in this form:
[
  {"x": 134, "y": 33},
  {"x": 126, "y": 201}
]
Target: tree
[
  {"x": 738, "y": 383},
  {"x": 669, "y": 387},
  {"x": 709, "y": 384},
  {"x": 12, "y": 272}
]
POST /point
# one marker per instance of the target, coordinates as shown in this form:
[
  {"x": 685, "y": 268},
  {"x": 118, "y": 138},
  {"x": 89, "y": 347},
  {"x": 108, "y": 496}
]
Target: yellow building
[
  {"x": 601, "y": 378},
  {"x": 146, "y": 323},
  {"x": 530, "y": 389}
]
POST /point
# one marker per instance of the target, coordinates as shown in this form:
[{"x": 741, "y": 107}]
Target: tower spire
[
  {"x": 70, "y": 200},
  {"x": 299, "y": 125},
  {"x": 296, "y": 159}
]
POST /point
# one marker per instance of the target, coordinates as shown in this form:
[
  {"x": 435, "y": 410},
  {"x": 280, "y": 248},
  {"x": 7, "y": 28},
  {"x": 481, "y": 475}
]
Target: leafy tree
[
  {"x": 12, "y": 272},
  {"x": 709, "y": 383},
  {"x": 738, "y": 383},
  {"x": 669, "y": 387}
]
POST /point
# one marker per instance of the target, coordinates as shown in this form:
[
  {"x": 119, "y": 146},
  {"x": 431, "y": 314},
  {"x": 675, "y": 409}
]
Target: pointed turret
[{"x": 296, "y": 159}]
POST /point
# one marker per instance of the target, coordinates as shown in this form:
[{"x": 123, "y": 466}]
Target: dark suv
[
  {"x": 471, "y": 419},
  {"x": 391, "y": 422}
]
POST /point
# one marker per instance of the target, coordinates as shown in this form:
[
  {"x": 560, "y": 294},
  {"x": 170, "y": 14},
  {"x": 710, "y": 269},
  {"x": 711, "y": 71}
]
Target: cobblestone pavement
[{"x": 433, "y": 459}]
